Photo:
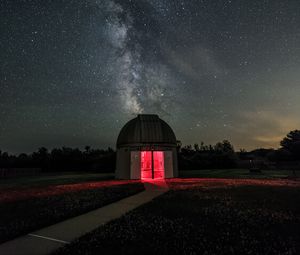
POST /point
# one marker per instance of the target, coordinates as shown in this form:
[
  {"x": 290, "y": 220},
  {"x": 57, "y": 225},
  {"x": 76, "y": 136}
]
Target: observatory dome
[{"x": 146, "y": 129}]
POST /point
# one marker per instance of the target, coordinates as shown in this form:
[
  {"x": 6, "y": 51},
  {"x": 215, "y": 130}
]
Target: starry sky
[{"x": 73, "y": 72}]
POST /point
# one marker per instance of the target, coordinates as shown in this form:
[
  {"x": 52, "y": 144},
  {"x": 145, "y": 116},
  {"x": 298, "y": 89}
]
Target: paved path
[{"x": 46, "y": 240}]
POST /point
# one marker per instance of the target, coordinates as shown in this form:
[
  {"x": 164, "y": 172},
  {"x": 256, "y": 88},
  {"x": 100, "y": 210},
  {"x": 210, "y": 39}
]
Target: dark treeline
[
  {"x": 198, "y": 156},
  {"x": 223, "y": 155},
  {"x": 62, "y": 159}
]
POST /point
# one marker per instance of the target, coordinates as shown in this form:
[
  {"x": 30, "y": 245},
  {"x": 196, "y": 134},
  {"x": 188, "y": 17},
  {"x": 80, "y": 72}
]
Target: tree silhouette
[
  {"x": 291, "y": 143},
  {"x": 87, "y": 149},
  {"x": 225, "y": 147}
]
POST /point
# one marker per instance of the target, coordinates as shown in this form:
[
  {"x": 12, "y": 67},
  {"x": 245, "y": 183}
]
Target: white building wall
[
  {"x": 123, "y": 164},
  {"x": 168, "y": 162},
  {"x": 135, "y": 165}
]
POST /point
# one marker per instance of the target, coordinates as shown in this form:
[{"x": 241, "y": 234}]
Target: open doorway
[{"x": 152, "y": 165}]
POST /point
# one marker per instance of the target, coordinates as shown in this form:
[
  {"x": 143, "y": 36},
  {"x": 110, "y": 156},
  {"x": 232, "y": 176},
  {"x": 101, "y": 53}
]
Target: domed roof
[{"x": 146, "y": 129}]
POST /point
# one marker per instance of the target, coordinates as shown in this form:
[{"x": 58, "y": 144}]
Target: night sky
[{"x": 73, "y": 72}]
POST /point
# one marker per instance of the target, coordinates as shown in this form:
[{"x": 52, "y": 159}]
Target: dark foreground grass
[
  {"x": 237, "y": 173},
  {"x": 21, "y": 217},
  {"x": 235, "y": 220},
  {"x": 48, "y": 179}
]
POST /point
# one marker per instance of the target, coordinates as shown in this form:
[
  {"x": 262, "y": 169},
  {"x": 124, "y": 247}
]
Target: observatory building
[{"x": 146, "y": 149}]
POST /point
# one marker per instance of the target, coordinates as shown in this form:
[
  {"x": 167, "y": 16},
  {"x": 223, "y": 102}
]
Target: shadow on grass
[
  {"x": 52, "y": 179},
  {"x": 233, "y": 220},
  {"x": 20, "y": 217},
  {"x": 236, "y": 173}
]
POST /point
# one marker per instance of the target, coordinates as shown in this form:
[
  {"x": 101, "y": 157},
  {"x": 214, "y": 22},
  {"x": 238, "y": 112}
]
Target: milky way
[{"x": 73, "y": 72}]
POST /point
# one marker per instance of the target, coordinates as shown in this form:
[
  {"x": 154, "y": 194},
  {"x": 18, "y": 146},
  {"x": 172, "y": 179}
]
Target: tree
[
  {"x": 225, "y": 147},
  {"x": 178, "y": 145},
  {"x": 291, "y": 143},
  {"x": 87, "y": 149},
  {"x": 41, "y": 158}
]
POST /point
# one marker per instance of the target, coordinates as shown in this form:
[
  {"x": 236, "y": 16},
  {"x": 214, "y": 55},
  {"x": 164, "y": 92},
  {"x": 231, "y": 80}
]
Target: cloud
[
  {"x": 124, "y": 65},
  {"x": 264, "y": 128},
  {"x": 195, "y": 62},
  {"x": 117, "y": 34},
  {"x": 142, "y": 83},
  {"x": 139, "y": 80},
  {"x": 128, "y": 81}
]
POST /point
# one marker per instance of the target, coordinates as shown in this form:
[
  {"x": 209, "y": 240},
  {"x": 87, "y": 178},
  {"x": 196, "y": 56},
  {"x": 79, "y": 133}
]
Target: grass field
[
  {"x": 25, "y": 210},
  {"x": 52, "y": 179},
  {"x": 235, "y": 173},
  {"x": 69, "y": 178},
  {"x": 30, "y": 203},
  {"x": 244, "y": 219}
]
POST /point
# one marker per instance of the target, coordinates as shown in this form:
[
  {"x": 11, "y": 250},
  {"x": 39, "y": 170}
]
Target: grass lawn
[
  {"x": 235, "y": 173},
  {"x": 54, "y": 204},
  {"x": 69, "y": 177},
  {"x": 244, "y": 219},
  {"x": 53, "y": 179}
]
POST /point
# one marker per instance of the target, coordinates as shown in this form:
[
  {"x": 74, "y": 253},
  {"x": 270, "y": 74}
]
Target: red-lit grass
[
  {"x": 10, "y": 195},
  {"x": 206, "y": 183},
  {"x": 23, "y": 213},
  {"x": 205, "y": 217}
]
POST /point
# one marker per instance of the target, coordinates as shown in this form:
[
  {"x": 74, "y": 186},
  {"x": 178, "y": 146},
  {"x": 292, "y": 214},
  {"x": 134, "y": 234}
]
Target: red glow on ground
[
  {"x": 211, "y": 183},
  {"x": 156, "y": 171},
  {"x": 10, "y": 195},
  {"x": 15, "y": 194}
]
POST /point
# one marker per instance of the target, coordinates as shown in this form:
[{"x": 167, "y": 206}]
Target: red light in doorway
[
  {"x": 157, "y": 171},
  {"x": 146, "y": 164}
]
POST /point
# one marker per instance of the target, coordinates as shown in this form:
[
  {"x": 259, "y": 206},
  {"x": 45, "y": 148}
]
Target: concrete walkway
[{"x": 47, "y": 240}]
